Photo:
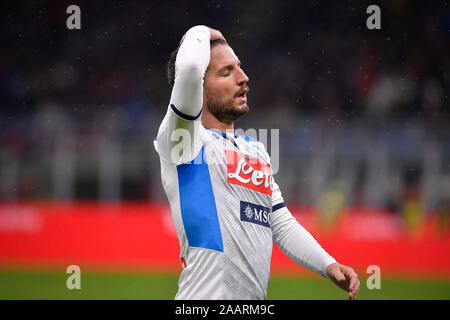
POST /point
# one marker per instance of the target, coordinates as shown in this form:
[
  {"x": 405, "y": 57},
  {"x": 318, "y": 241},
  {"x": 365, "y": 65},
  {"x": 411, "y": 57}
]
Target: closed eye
[{"x": 226, "y": 71}]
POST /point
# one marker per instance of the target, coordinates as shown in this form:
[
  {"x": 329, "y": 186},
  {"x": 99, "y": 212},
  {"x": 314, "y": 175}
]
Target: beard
[{"x": 225, "y": 112}]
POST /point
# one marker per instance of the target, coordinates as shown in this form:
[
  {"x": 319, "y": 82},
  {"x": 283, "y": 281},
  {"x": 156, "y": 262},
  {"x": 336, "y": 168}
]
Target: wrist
[{"x": 331, "y": 263}]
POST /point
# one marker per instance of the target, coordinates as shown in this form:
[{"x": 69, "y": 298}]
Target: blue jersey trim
[
  {"x": 249, "y": 139},
  {"x": 198, "y": 205}
]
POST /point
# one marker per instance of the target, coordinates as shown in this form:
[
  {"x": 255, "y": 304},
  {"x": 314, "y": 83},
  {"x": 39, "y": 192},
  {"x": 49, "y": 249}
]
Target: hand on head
[{"x": 215, "y": 35}]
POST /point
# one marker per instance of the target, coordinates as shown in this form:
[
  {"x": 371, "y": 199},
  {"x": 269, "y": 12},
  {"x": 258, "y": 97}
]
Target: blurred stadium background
[{"x": 364, "y": 159}]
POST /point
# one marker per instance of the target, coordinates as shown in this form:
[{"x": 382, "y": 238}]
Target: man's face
[{"x": 225, "y": 85}]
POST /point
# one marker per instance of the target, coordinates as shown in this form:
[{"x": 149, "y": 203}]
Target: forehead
[{"x": 221, "y": 56}]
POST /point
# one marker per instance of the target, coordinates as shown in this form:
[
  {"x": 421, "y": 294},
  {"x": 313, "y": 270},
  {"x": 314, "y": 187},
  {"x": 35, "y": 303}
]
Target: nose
[{"x": 242, "y": 77}]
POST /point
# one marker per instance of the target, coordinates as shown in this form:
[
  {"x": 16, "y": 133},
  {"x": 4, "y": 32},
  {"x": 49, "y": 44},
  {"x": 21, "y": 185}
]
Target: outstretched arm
[{"x": 299, "y": 245}]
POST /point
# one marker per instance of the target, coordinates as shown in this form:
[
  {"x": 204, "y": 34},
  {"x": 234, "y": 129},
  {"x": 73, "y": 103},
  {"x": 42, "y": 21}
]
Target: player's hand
[
  {"x": 345, "y": 278},
  {"x": 215, "y": 35}
]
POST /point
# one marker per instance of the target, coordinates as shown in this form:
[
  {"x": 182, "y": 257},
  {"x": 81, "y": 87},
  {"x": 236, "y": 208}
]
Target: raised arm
[
  {"x": 179, "y": 136},
  {"x": 190, "y": 66}
]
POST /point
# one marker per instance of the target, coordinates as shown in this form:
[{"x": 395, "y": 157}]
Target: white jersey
[{"x": 225, "y": 205}]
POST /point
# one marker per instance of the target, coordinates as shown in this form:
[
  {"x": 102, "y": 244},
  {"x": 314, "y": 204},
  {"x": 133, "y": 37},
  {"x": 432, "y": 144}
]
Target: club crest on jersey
[
  {"x": 250, "y": 173},
  {"x": 255, "y": 214}
]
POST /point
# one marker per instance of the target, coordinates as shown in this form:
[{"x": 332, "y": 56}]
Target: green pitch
[{"x": 94, "y": 285}]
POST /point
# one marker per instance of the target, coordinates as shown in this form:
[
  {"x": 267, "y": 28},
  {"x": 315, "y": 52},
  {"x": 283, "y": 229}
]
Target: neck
[{"x": 211, "y": 122}]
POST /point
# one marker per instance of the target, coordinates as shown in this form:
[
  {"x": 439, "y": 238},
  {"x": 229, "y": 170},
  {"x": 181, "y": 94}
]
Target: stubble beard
[{"x": 225, "y": 112}]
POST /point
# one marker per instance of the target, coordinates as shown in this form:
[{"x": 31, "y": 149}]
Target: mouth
[{"x": 241, "y": 95}]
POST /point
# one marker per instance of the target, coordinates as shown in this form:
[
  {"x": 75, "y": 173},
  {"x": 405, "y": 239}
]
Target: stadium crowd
[{"x": 363, "y": 114}]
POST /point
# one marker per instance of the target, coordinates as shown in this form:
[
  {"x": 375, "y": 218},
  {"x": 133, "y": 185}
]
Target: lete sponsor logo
[
  {"x": 255, "y": 214},
  {"x": 250, "y": 173}
]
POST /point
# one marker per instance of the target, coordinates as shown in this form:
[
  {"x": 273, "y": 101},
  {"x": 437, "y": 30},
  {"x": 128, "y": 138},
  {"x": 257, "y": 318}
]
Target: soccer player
[{"x": 226, "y": 206}]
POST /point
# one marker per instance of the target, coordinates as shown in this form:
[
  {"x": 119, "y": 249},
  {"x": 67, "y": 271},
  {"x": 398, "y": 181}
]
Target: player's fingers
[
  {"x": 351, "y": 275},
  {"x": 182, "y": 39},
  {"x": 355, "y": 290},
  {"x": 347, "y": 271},
  {"x": 216, "y": 34},
  {"x": 351, "y": 296},
  {"x": 353, "y": 282},
  {"x": 339, "y": 276}
]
